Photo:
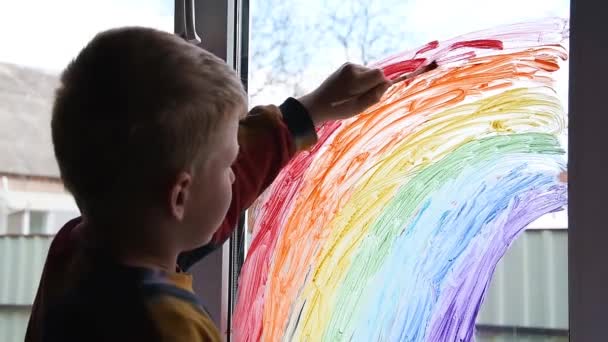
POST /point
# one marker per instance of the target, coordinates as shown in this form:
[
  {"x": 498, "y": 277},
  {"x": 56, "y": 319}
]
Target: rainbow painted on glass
[{"x": 391, "y": 227}]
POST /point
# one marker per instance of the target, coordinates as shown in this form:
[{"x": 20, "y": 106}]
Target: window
[{"x": 295, "y": 44}]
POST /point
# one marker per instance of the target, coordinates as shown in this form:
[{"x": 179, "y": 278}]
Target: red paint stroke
[
  {"x": 397, "y": 69},
  {"x": 493, "y": 44},
  {"x": 393, "y": 71},
  {"x": 428, "y": 47}
]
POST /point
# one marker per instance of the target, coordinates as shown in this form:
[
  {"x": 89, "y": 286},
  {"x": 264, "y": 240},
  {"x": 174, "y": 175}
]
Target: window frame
[
  {"x": 587, "y": 163},
  {"x": 223, "y": 28}
]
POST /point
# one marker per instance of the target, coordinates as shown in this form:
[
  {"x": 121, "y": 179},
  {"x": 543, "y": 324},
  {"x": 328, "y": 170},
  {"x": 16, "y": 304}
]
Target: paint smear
[{"x": 391, "y": 227}]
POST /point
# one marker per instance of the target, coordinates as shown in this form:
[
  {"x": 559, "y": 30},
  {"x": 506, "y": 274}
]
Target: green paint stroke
[{"x": 403, "y": 207}]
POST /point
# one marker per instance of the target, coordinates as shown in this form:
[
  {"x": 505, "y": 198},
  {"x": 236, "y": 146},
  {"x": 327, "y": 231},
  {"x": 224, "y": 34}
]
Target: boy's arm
[{"x": 269, "y": 137}]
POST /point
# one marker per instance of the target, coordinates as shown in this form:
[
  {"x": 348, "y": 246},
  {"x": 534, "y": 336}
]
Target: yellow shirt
[{"x": 180, "y": 318}]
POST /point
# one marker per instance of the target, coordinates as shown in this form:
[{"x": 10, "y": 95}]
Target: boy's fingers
[
  {"x": 372, "y": 96},
  {"x": 363, "y": 79},
  {"x": 370, "y": 78}
]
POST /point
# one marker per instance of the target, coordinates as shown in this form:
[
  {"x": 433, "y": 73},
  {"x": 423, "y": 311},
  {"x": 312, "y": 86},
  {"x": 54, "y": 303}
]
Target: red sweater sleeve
[
  {"x": 266, "y": 146},
  {"x": 268, "y": 138}
]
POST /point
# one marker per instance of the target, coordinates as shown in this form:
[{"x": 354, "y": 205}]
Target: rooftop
[{"x": 26, "y": 97}]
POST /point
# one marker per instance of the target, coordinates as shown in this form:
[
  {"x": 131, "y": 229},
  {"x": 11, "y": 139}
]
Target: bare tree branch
[
  {"x": 284, "y": 45},
  {"x": 360, "y": 27}
]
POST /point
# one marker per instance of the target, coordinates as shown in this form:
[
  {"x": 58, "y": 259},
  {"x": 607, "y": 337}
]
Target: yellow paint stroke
[{"x": 441, "y": 134}]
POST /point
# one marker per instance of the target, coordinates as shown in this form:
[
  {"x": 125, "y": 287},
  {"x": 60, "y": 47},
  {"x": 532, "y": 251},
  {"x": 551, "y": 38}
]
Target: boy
[{"x": 151, "y": 140}]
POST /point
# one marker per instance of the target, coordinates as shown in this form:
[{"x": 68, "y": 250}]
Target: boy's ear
[{"x": 180, "y": 192}]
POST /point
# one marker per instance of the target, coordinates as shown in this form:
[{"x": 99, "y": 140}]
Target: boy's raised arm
[{"x": 270, "y": 136}]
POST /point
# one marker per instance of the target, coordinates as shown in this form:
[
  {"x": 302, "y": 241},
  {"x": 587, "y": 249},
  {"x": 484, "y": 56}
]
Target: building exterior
[
  {"x": 528, "y": 295},
  {"x": 32, "y": 198},
  {"x": 33, "y": 202}
]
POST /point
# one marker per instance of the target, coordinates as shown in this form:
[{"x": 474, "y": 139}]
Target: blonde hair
[{"x": 135, "y": 107}]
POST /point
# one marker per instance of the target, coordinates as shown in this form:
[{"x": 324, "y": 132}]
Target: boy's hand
[{"x": 348, "y": 91}]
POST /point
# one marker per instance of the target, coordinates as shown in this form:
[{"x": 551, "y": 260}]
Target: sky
[
  {"x": 421, "y": 21},
  {"x": 47, "y": 34},
  {"x": 444, "y": 19}
]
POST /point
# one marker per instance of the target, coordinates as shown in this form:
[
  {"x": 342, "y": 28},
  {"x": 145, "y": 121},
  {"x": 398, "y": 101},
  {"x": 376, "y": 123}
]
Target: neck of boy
[
  {"x": 147, "y": 249},
  {"x": 167, "y": 264}
]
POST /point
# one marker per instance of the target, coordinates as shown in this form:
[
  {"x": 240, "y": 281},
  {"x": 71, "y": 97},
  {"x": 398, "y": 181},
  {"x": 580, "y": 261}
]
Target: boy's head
[{"x": 144, "y": 129}]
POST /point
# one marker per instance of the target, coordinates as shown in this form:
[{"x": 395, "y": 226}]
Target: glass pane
[
  {"x": 38, "y": 39},
  {"x": 438, "y": 215}
]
